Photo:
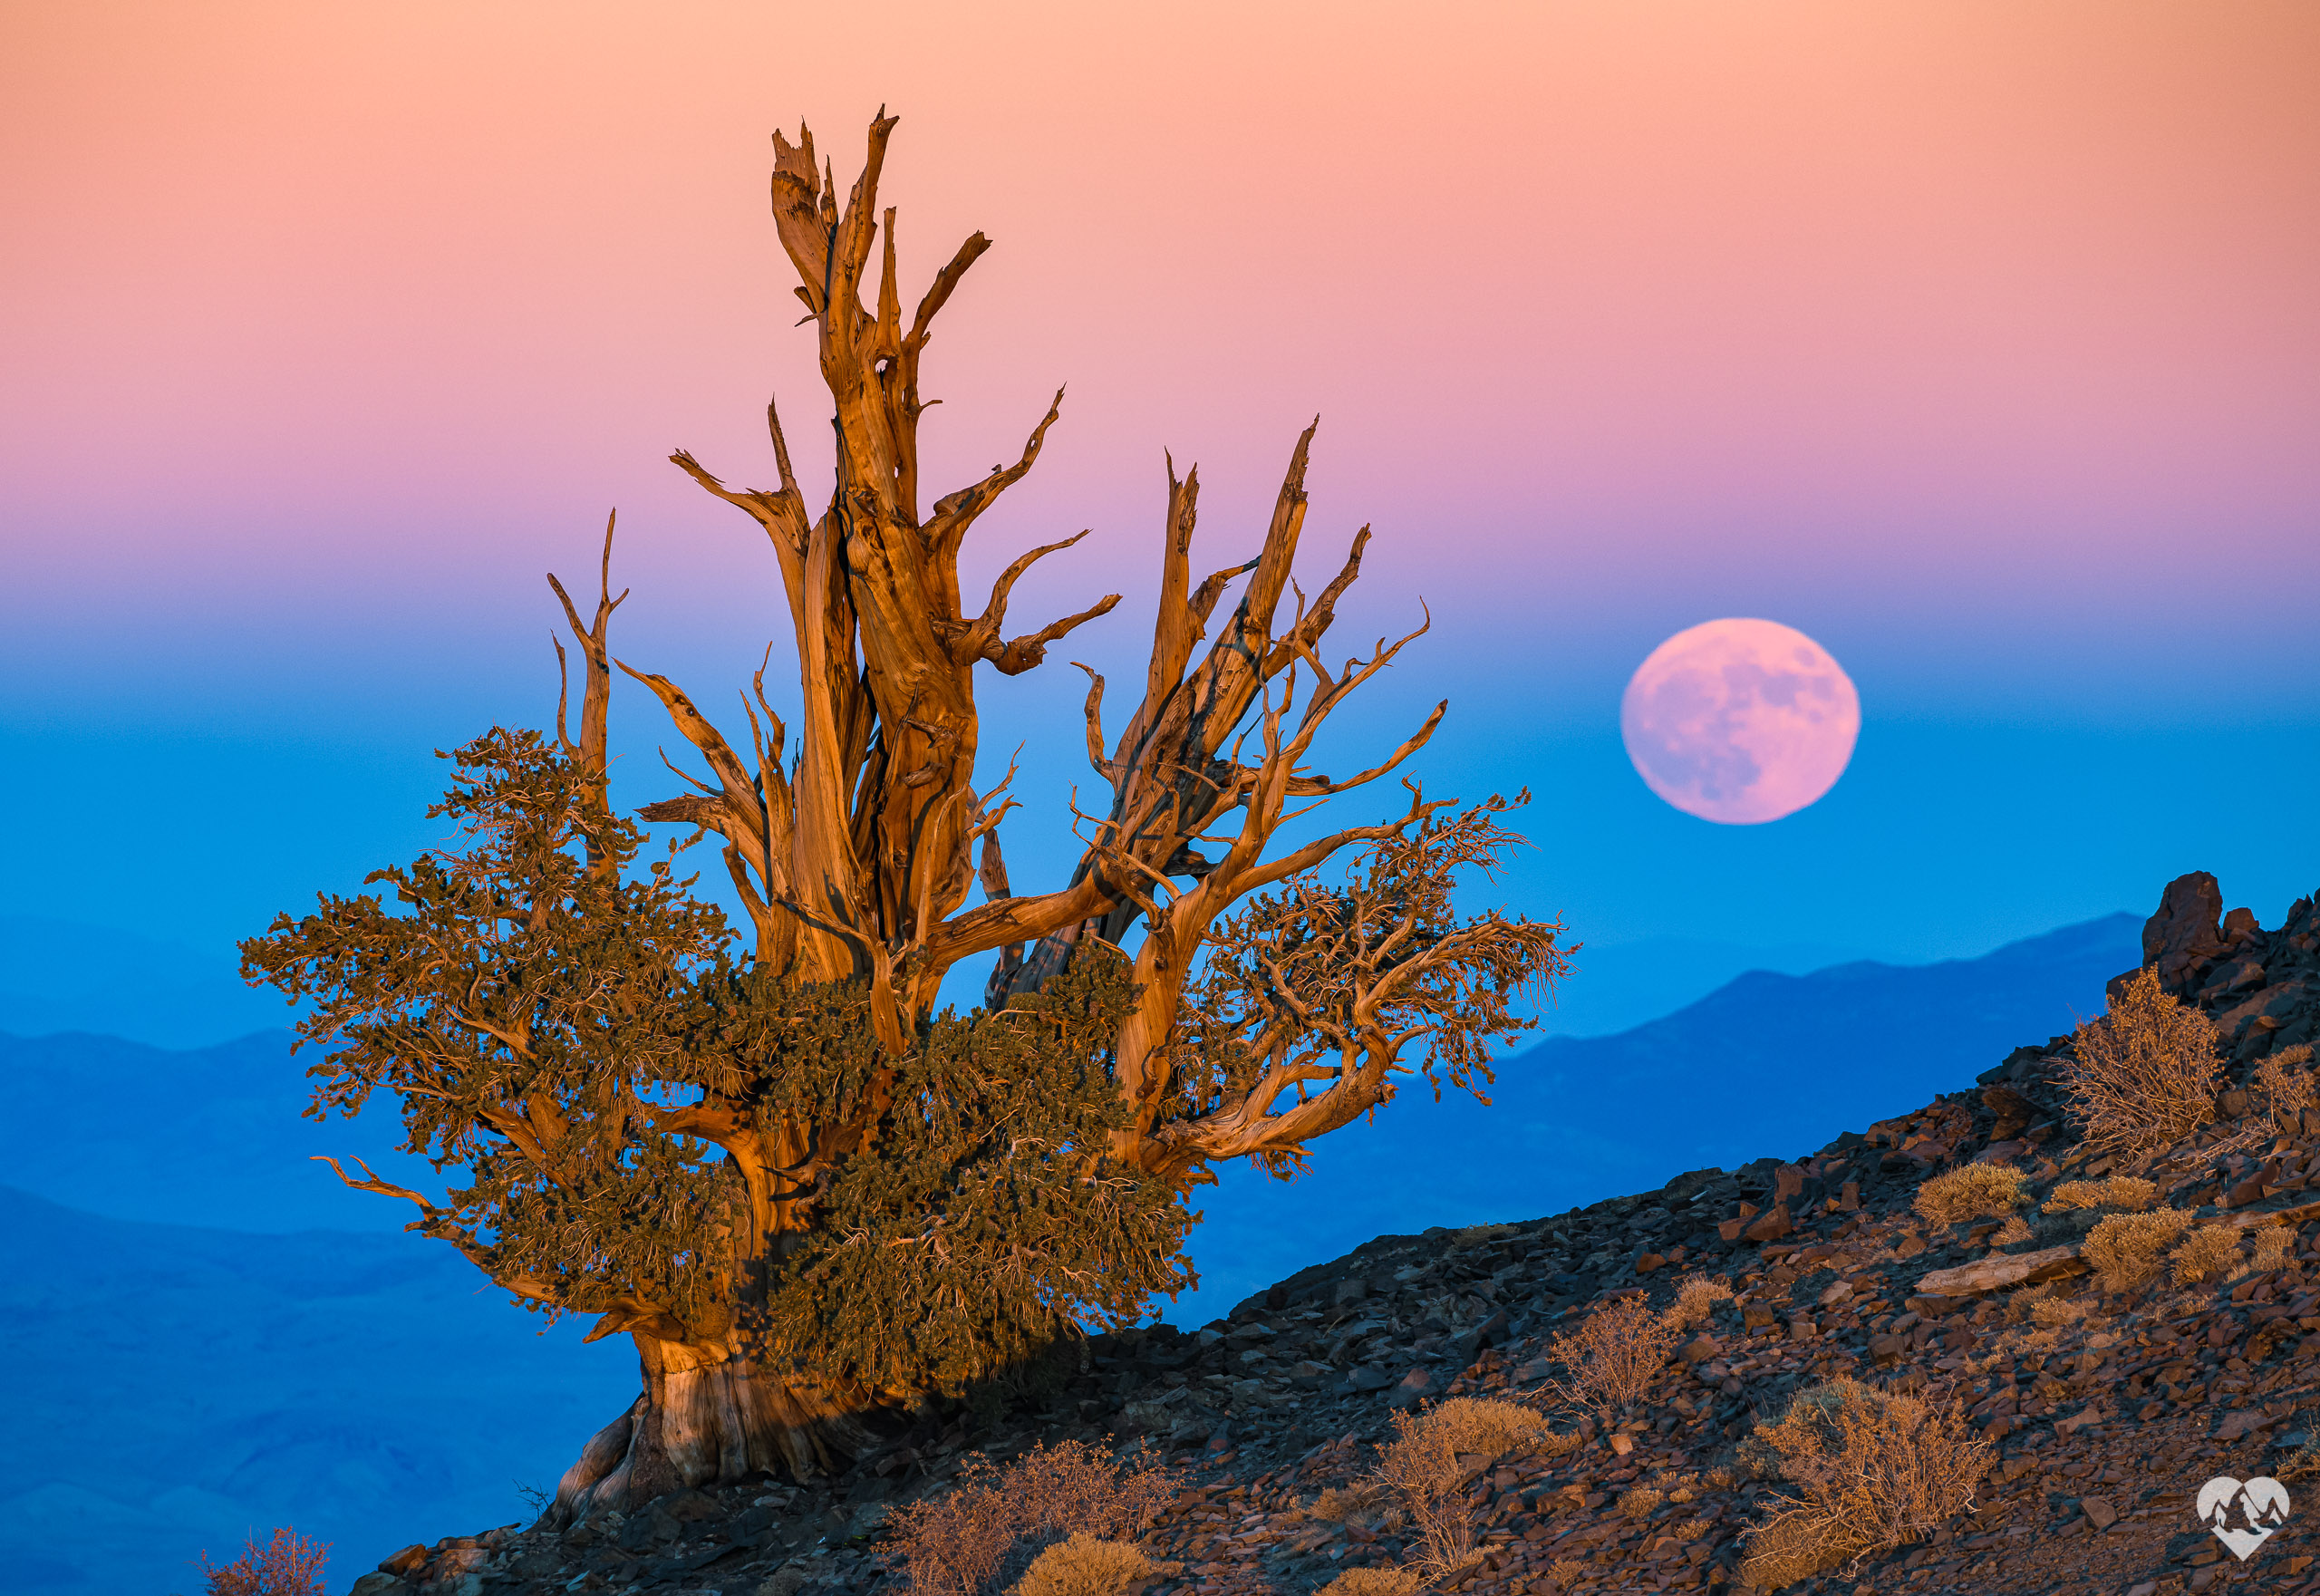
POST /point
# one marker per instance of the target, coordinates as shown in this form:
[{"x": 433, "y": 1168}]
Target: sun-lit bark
[
  {"x": 863, "y": 864},
  {"x": 1266, "y": 1009}
]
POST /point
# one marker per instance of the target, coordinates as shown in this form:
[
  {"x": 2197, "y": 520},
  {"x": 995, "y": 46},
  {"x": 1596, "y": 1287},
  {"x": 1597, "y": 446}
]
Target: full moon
[{"x": 1740, "y": 721}]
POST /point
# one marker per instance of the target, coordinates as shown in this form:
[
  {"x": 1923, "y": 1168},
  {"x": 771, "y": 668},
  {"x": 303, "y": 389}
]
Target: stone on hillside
[
  {"x": 379, "y": 1582},
  {"x": 1415, "y": 1388},
  {"x": 1770, "y": 1225},
  {"x": 2185, "y": 934},
  {"x": 1366, "y": 1378},
  {"x": 2099, "y": 1512}
]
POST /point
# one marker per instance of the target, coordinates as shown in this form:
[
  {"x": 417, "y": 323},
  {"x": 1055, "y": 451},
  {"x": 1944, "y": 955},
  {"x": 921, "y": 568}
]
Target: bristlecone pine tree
[{"x": 811, "y": 1201}]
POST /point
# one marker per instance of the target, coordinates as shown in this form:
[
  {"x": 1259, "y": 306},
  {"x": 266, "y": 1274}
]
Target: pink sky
[
  {"x": 1977, "y": 341},
  {"x": 1914, "y": 313}
]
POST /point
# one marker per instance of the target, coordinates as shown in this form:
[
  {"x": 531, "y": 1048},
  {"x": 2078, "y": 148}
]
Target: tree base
[{"x": 707, "y": 1416}]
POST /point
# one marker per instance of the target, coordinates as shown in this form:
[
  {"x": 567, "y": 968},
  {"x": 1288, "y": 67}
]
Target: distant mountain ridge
[
  {"x": 1767, "y": 1060},
  {"x": 189, "y": 1385},
  {"x": 246, "y": 1359},
  {"x": 61, "y": 975},
  {"x": 214, "y": 1136}
]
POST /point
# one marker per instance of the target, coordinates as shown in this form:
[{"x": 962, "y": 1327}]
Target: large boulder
[{"x": 2185, "y": 936}]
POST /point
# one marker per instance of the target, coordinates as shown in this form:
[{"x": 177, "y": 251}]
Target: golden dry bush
[
  {"x": 1611, "y": 1360},
  {"x": 984, "y": 1532},
  {"x": 2284, "y": 1082},
  {"x": 1721, "y": 1479},
  {"x": 2208, "y": 1253},
  {"x": 1691, "y": 1528},
  {"x": 1640, "y": 1501},
  {"x": 1375, "y": 1581},
  {"x": 2124, "y": 1193},
  {"x": 2014, "y": 1230},
  {"x": 2024, "y": 1303},
  {"x": 1695, "y": 1299},
  {"x": 2145, "y": 1074},
  {"x": 1872, "y": 1470},
  {"x": 1784, "y": 1551},
  {"x": 2274, "y": 1248},
  {"x": 1426, "y": 1467},
  {"x": 1087, "y": 1566},
  {"x": 1339, "y": 1502},
  {"x": 2304, "y": 1462},
  {"x": 2049, "y": 1312},
  {"x": 2126, "y": 1249},
  {"x": 1977, "y": 1191}
]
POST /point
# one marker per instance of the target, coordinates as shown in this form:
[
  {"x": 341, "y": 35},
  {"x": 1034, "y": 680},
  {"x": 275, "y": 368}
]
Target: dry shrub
[
  {"x": 1692, "y": 1529},
  {"x": 2208, "y": 1253},
  {"x": 2121, "y": 1192},
  {"x": 1555, "y": 1443},
  {"x": 2024, "y": 1303},
  {"x": 1640, "y": 1501},
  {"x": 2284, "y": 1084},
  {"x": 1375, "y": 1581},
  {"x": 1872, "y": 1471},
  {"x": 985, "y": 1532},
  {"x": 2275, "y": 1247},
  {"x": 2145, "y": 1074},
  {"x": 2014, "y": 1230},
  {"x": 1610, "y": 1361},
  {"x": 2304, "y": 1461},
  {"x": 1568, "y": 1571},
  {"x": 2125, "y": 1249},
  {"x": 1978, "y": 1191},
  {"x": 1422, "y": 1468},
  {"x": 1721, "y": 1479},
  {"x": 1695, "y": 1300},
  {"x": 288, "y": 1566},
  {"x": 2049, "y": 1312},
  {"x": 1681, "y": 1488},
  {"x": 1339, "y": 1502},
  {"x": 1086, "y": 1566}
]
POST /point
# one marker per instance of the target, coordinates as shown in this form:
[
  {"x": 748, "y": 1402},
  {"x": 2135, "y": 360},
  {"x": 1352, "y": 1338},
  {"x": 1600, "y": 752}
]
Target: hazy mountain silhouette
[
  {"x": 210, "y": 1136},
  {"x": 60, "y": 975},
  {"x": 189, "y": 1385},
  {"x": 371, "y": 1388},
  {"x": 1767, "y": 1064},
  {"x": 1618, "y": 986}
]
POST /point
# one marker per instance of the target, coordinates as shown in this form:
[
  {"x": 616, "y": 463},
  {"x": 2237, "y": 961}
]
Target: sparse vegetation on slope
[
  {"x": 1894, "y": 1353},
  {"x": 1872, "y": 1470},
  {"x": 2145, "y": 1074}
]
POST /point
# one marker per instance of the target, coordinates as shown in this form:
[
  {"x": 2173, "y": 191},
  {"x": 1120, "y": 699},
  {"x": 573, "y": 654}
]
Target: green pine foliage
[
  {"x": 544, "y": 1007},
  {"x": 987, "y": 1215}
]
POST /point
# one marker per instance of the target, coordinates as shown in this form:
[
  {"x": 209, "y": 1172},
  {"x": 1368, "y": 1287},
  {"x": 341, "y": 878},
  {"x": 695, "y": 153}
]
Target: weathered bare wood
[
  {"x": 1269, "y": 1007},
  {"x": 2002, "y": 1269},
  {"x": 2015, "y": 1269}
]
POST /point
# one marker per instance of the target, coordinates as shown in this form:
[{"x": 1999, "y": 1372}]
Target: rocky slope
[{"x": 2105, "y": 1412}]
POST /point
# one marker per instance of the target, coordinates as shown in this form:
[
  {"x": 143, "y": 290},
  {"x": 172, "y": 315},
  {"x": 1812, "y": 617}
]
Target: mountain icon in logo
[{"x": 2243, "y": 1515}]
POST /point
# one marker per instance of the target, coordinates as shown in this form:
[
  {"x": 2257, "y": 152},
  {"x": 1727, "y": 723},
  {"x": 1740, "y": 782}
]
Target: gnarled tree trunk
[{"x": 709, "y": 1414}]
